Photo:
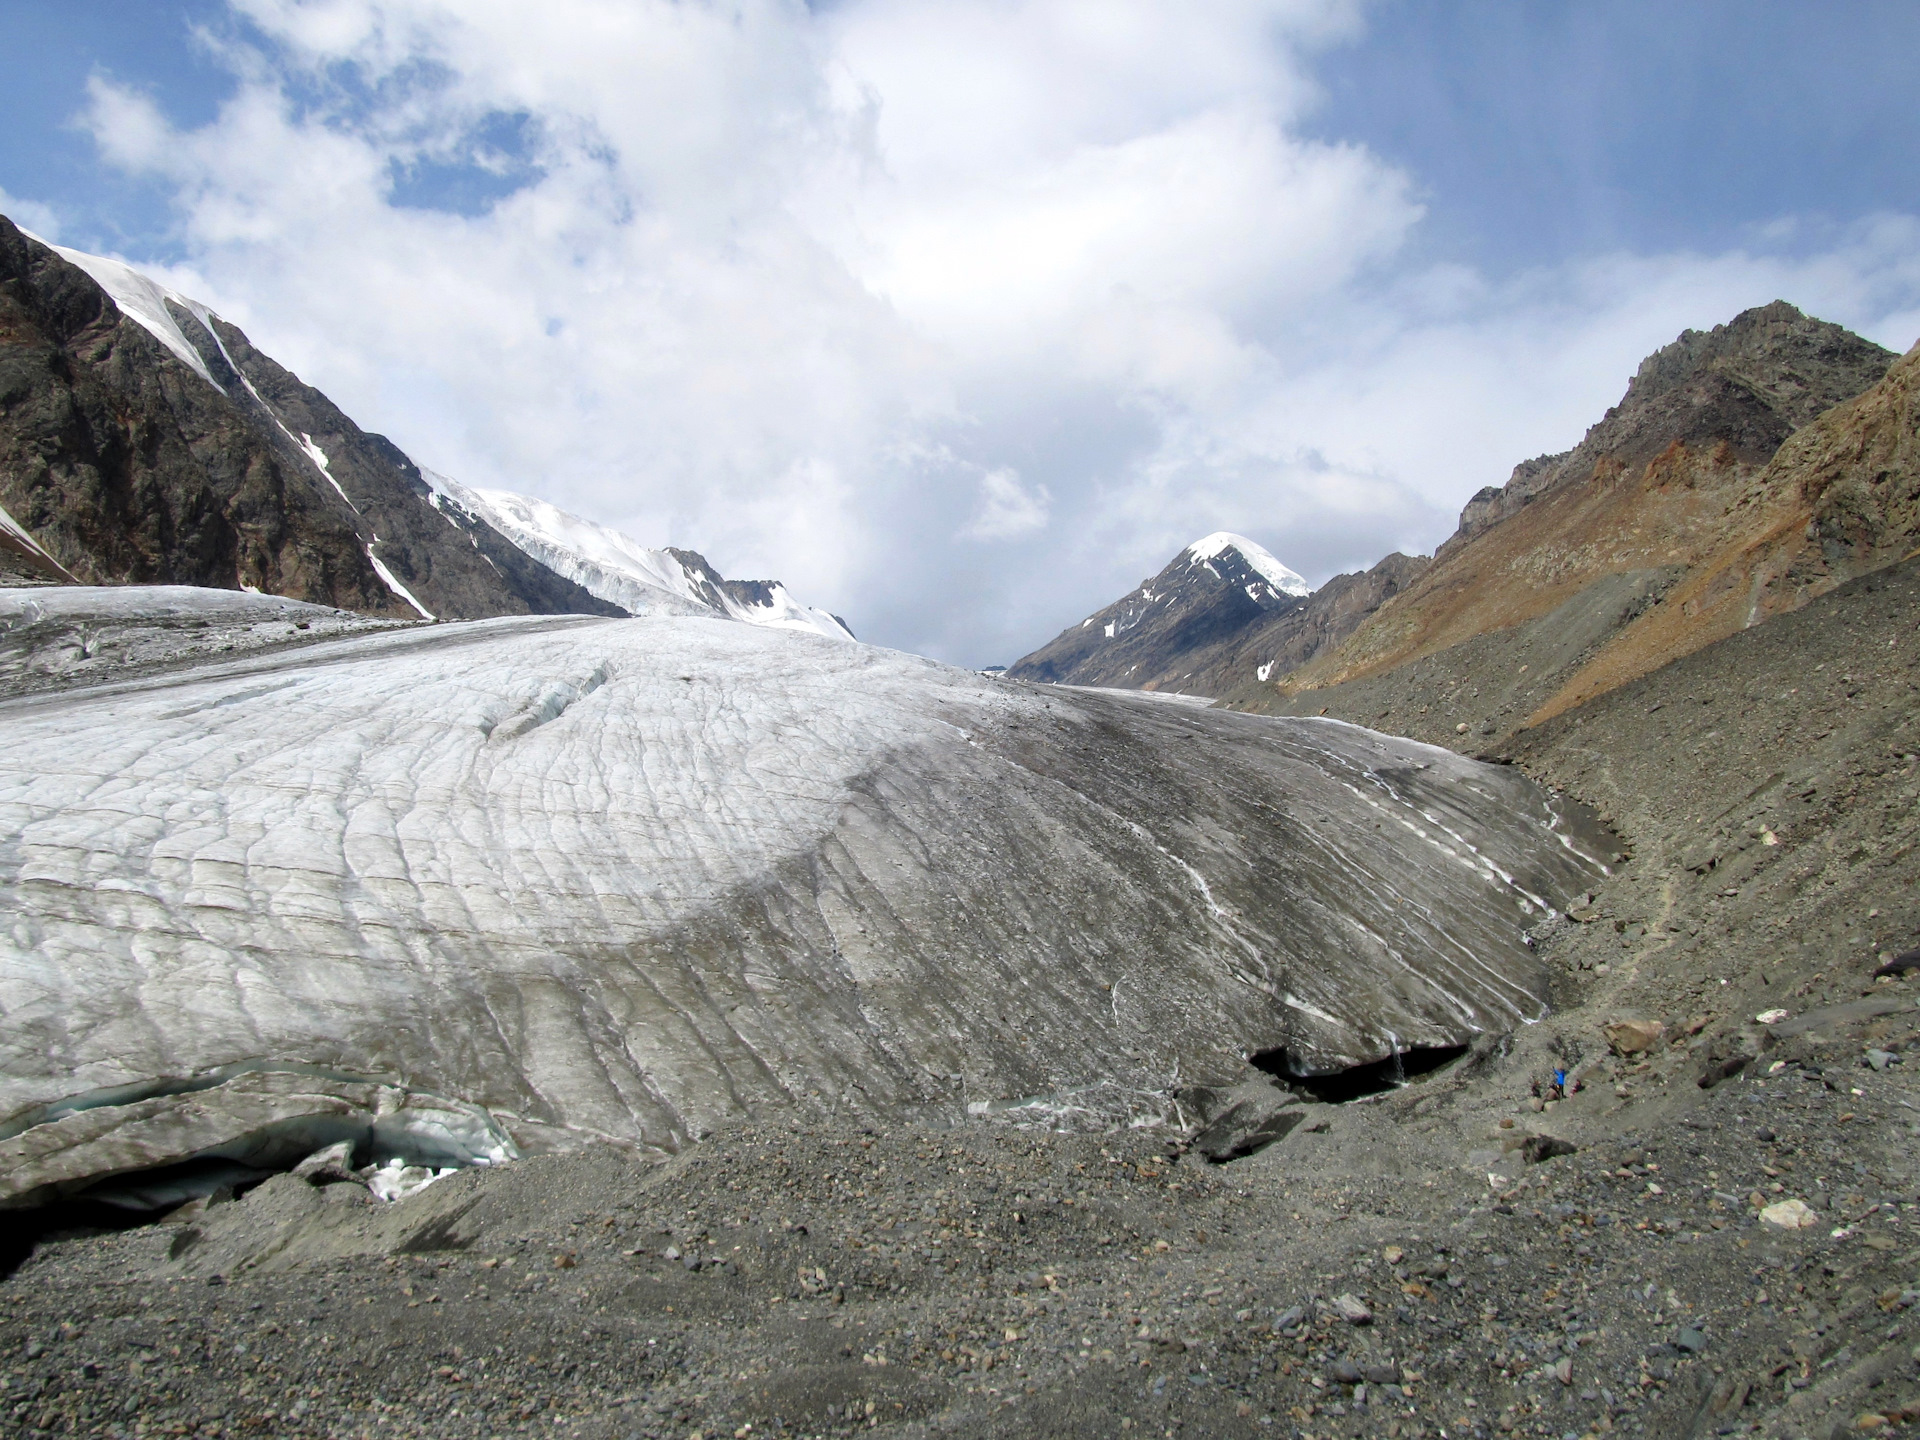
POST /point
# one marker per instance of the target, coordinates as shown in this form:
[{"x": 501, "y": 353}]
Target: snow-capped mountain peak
[
  {"x": 620, "y": 570},
  {"x": 1162, "y": 634},
  {"x": 1258, "y": 560}
]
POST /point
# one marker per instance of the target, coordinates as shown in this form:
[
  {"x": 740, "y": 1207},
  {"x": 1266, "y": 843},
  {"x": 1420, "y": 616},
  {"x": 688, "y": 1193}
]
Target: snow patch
[
  {"x": 19, "y": 532},
  {"x": 380, "y": 569},
  {"x": 142, "y": 300},
  {"x": 319, "y": 458}
]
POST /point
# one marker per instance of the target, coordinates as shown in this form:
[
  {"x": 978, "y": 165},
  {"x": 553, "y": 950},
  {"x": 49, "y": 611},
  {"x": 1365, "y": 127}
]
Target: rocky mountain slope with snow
[
  {"x": 621, "y": 571},
  {"x": 1224, "y": 613},
  {"x": 143, "y": 439},
  {"x": 1207, "y": 597},
  {"x": 635, "y": 879}
]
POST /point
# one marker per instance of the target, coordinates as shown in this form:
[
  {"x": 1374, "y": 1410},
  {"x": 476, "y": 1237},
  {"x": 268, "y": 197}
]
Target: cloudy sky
[{"x": 962, "y": 316}]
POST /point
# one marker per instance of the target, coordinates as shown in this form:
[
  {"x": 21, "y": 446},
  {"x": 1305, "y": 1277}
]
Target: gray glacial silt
[{"x": 633, "y": 878}]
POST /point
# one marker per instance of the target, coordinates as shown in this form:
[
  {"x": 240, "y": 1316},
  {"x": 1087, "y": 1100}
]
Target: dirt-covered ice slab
[
  {"x": 636, "y": 877},
  {"x": 57, "y": 635}
]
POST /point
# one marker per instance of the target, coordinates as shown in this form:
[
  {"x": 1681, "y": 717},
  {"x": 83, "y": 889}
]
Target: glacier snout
[{"x": 633, "y": 878}]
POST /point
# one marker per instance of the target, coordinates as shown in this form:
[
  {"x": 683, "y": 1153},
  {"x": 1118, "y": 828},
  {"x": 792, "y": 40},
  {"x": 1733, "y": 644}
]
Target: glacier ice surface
[{"x": 634, "y": 878}]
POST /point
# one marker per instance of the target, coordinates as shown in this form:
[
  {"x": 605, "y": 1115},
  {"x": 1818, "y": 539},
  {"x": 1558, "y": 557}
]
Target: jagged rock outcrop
[
  {"x": 1744, "y": 386},
  {"x": 150, "y": 442},
  {"x": 635, "y": 878}
]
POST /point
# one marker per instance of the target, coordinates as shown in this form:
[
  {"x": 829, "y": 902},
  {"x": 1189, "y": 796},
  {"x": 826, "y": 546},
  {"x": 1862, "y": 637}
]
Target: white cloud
[
  {"x": 1007, "y": 508},
  {"x": 839, "y": 297},
  {"x": 41, "y": 219}
]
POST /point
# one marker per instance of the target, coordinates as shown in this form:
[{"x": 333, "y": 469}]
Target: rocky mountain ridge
[
  {"x": 145, "y": 440},
  {"x": 1673, "y": 478},
  {"x": 619, "y": 570},
  {"x": 1609, "y": 572},
  {"x": 1744, "y": 386},
  {"x": 1206, "y": 599},
  {"x": 1204, "y": 629}
]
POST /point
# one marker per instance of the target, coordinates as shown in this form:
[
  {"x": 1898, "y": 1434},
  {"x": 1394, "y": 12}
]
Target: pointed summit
[
  {"x": 1225, "y": 547},
  {"x": 1165, "y": 635}
]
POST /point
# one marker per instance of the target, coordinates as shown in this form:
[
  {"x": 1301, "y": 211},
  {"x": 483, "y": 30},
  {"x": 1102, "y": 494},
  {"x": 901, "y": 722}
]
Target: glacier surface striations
[{"x": 634, "y": 878}]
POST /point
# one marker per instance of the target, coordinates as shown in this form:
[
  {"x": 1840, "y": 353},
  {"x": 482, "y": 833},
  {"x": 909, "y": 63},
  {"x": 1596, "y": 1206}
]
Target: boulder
[
  {"x": 1246, "y": 1118},
  {"x": 1790, "y": 1215},
  {"x": 1633, "y": 1037}
]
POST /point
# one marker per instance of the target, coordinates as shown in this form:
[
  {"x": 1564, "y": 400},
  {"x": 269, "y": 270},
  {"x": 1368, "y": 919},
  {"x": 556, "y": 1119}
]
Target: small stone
[
  {"x": 1393, "y": 1254},
  {"x": 1690, "y": 1340},
  {"x": 1563, "y": 1370},
  {"x": 1880, "y": 1059},
  {"x": 1764, "y": 1136},
  {"x": 1771, "y": 1017},
  {"x": 1290, "y": 1317},
  {"x": 1461, "y": 728},
  {"x": 1352, "y": 1309},
  {"x": 1386, "y": 1373},
  {"x": 1790, "y": 1215},
  {"x": 1345, "y": 1372}
]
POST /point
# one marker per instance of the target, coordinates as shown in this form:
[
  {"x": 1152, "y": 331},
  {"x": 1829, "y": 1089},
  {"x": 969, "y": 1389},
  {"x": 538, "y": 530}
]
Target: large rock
[{"x": 632, "y": 878}]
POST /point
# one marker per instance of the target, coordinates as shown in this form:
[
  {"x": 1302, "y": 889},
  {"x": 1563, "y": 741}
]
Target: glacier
[{"x": 633, "y": 879}]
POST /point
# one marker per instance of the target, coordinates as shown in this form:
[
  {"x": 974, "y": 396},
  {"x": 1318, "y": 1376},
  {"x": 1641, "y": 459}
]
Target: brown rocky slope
[{"x": 1620, "y": 565}]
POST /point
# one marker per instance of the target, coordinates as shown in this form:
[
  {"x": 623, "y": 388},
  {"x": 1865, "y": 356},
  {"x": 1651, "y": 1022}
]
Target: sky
[{"x": 963, "y": 316}]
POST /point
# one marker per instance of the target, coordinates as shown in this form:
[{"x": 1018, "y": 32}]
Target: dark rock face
[
  {"x": 1319, "y": 623},
  {"x": 127, "y": 467},
  {"x": 1201, "y": 631},
  {"x": 1747, "y": 385}
]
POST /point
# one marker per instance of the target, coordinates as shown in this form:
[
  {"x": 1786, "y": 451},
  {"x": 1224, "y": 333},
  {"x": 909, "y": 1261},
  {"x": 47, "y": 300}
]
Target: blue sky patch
[{"x": 493, "y": 160}]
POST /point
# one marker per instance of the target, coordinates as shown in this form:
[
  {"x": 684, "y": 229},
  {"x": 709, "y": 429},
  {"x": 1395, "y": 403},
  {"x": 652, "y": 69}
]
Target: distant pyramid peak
[{"x": 1258, "y": 559}]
